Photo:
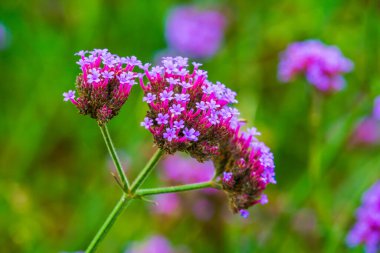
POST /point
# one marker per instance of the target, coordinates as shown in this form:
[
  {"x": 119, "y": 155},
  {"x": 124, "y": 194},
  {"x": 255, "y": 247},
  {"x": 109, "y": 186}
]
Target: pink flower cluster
[
  {"x": 367, "y": 228},
  {"x": 323, "y": 65},
  {"x": 186, "y": 111},
  {"x": 248, "y": 168},
  {"x": 193, "y": 32},
  {"x": 104, "y": 84}
]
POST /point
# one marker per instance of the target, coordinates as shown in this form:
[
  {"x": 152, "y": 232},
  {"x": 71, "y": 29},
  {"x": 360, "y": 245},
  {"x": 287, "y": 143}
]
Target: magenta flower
[
  {"x": 367, "y": 228},
  {"x": 246, "y": 167},
  {"x": 104, "y": 84},
  {"x": 195, "y": 33},
  {"x": 189, "y": 112},
  {"x": 322, "y": 65}
]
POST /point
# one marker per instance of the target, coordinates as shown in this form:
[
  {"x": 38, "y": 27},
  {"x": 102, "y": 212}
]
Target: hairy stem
[
  {"x": 114, "y": 156},
  {"x": 146, "y": 171},
  {"x": 178, "y": 188},
  {"x": 118, "y": 209}
]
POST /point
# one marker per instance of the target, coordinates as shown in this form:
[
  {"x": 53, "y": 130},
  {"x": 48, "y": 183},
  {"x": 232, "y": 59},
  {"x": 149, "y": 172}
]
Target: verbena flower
[
  {"x": 246, "y": 167},
  {"x": 367, "y": 228},
  {"x": 322, "y": 65},
  {"x": 104, "y": 84},
  {"x": 193, "y": 32},
  {"x": 187, "y": 112}
]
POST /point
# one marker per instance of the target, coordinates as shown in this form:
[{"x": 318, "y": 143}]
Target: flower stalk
[
  {"x": 114, "y": 156},
  {"x": 177, "y": 188},
  {"x": 146, "y": 171},
  {"x": 315, "y": 151},
  {"x": 118, "y": 209}
]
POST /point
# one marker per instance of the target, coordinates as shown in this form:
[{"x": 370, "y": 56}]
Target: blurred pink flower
[
  {"x": 186, "y": 170},
  {"x": 155, "y": 244},
  {"x": 167, "y": 204}
]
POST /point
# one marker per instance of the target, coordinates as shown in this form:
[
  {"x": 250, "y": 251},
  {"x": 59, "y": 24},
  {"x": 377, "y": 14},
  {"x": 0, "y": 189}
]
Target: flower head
[
  {"x": 194, "y": 32},
  {"x": 322, "y": 65},
  {"x": 189, "y": 112},
  {"x": 104, "y": 84},
  {"x": 246, "y": 167},
  {"x": 367, "y": 228}
]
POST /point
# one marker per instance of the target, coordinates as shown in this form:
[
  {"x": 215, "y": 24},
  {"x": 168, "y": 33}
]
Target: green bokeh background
[{"x": 55, "y": 184}]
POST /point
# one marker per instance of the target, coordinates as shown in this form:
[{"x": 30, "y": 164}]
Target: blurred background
[{"x": 55, "y": 184}]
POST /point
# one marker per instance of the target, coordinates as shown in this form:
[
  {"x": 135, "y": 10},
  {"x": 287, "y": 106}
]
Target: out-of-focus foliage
[{"x": 55, "y": 182}]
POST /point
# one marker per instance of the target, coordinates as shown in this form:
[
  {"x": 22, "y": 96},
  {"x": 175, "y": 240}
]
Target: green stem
[
  {"x": 146, "y": 171},
  {"x": 118, "y": 209},
  {"x": 115, "y": 158},
  {"x": 315, "y": 152},
  {"x": 178, "y": 188}
]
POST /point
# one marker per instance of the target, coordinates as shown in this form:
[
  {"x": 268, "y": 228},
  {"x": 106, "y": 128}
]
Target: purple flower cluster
[
  {"x": 104, "y": 84},
  {"x": 155, "y": 244},
  {"x": 367, "y": 132},
  {"x": 193, "y": 32},
  {"x": 323, "y": 65},
  {"x": 367, "y": 228},
  {"x": 186, "y": 111},
  {"x": 248, "y": 168}
]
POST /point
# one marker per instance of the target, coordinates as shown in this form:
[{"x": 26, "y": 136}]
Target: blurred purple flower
[
  {"x": 4, "y": 37},
  {"x": 376, "y": 108},
  {"x": 367, "y": 228},
  {"x": 193, "y": 32},
  {"x": 203, "y": 209},
  {"x": 186, "y": 170},
  {"x": 167, "y": 204},
  {"x": 322, "y": 65},
  {"x": 155, "y": 244},
  {"x": 367, "y": 131}
]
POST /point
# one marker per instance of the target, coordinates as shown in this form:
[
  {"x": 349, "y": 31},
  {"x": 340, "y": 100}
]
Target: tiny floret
[
  {"x": 244, "y": 213},
  {"x": 70, "y": 95}
]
